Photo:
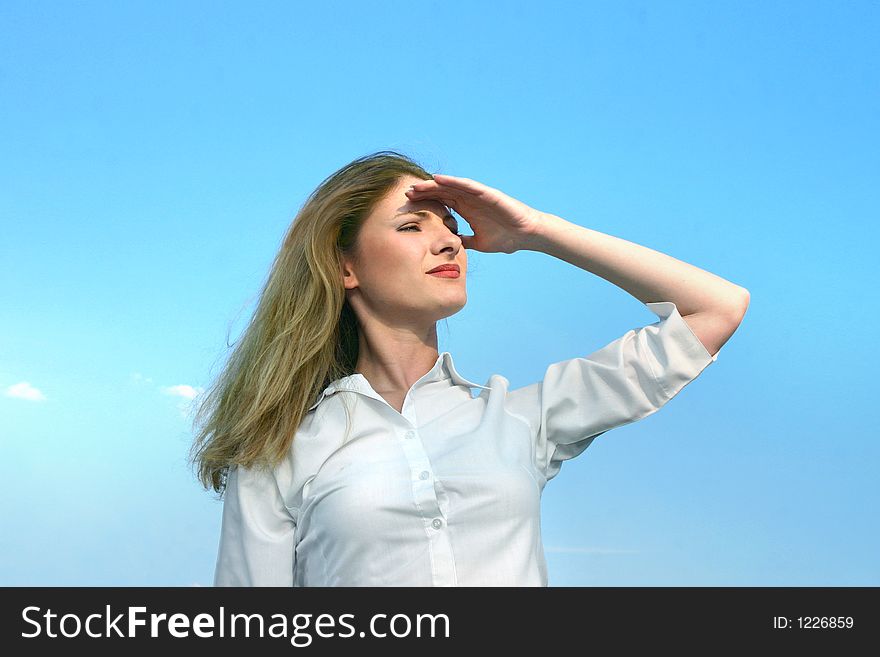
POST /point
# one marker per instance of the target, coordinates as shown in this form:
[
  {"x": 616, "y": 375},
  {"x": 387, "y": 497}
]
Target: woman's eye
[{"x": 454, "y": 231}]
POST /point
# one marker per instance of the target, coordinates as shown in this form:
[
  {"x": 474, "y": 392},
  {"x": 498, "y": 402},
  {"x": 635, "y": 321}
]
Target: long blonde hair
[{"x": 303, "y": 333}]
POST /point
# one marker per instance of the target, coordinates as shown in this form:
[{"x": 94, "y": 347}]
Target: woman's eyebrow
[{"x": 421, "y": 213}]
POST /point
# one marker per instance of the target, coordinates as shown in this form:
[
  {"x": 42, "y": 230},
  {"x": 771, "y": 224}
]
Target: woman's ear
[{"x": 349, "y": 280}]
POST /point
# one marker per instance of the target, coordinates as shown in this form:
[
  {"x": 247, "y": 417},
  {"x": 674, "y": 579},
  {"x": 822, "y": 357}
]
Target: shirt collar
[{"x": 443, "y": 368}]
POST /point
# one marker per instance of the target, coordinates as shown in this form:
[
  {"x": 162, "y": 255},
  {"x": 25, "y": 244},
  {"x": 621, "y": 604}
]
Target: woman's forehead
[
  {"x": 421, "y": 206},
  {"x": 402, "y": 205},
  {"x": 397, "y": 203}
]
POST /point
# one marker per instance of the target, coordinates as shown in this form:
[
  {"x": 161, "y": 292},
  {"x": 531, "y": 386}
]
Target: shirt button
[
  {"x": 410, "y": 434},
  {"x": 437, "y": 523},
  {"x": 425, "y": 474}
]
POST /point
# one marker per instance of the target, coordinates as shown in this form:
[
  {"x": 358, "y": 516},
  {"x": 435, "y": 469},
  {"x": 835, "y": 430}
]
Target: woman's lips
[{"x": 448, "y": 273}]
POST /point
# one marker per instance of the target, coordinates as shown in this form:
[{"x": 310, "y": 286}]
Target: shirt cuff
[{"x": 686, "y": 355}]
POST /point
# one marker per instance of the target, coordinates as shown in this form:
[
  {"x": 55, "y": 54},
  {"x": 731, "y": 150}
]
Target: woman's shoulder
[{"x": 315, "y": 440}]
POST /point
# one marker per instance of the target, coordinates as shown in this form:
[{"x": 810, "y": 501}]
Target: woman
[{"x": 352, "y": 453}]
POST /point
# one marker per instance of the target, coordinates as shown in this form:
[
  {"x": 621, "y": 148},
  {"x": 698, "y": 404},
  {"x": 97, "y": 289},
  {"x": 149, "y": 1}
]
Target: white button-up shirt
[{"x": 446, "y": 492}]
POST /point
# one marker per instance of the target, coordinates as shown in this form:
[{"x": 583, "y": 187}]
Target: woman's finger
[
  {"x": 434, "y": 192},
  {"x": 467, "y": 241},
  {"x": 449, "y": 183},
  {"x": 431, "y": 187},
  {"x": 465, "y": 184},
  {"x": 444, "y": 197}
]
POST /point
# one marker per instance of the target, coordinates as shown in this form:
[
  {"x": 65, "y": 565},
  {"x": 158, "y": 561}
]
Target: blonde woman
[{"x": 351, "y": 453}]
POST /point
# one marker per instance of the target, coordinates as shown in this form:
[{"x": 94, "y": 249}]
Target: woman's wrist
[
  {"x": 544, "y": 233},
  {"x": 541, "y": 237}
]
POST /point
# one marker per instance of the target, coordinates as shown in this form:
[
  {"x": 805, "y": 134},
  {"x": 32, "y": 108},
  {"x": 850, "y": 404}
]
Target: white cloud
[
  {"x": 185, "y": 391},
  {"x": 137, "y": 377},
  {"x": 24, "y": 390},
  {"x": 589, "y": 550},
  {"x": 188, "y": 394}
]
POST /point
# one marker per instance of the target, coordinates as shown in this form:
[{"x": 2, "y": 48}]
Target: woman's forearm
[{"x": 646, "y": 274}]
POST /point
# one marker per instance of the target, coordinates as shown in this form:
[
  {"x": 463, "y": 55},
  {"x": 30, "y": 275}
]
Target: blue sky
[{"x": 155, "y": 153}]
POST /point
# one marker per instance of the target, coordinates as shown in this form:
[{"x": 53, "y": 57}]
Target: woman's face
[{"x": 387, "y": 277}]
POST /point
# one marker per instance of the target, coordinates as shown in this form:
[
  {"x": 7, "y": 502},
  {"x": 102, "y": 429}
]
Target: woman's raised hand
[{"x": 500, "y": 223}]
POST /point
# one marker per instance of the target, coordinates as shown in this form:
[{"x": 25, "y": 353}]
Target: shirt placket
[{"x": 424, "y": 493}]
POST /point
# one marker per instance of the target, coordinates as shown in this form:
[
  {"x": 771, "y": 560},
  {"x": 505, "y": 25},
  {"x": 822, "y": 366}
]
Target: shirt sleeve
[
  {"x": 257, "y": 537},
  {"x": 624, "y": 381}
]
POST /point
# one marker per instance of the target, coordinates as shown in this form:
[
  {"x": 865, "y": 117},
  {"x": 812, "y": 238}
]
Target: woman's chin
[{"x": 449, "y": 309}]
